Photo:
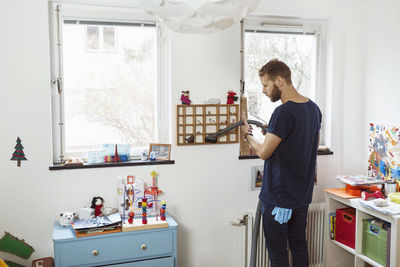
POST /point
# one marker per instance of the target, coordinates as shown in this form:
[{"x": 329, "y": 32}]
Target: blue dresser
[{"x": 143, "y": 248}]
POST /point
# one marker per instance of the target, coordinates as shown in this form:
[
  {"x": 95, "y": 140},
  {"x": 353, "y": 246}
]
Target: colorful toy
[
  {"x": 146, "y": 201},
  {"x": 162, "y": 210},
  {"x": 18, "y": 154},
  {"x": 231, "y": 98},
  {"x": 11, "y": 244},
  {"x": 144, "y": 208},
  {"x": 97, "y": 204},
  {"x": 185, "y": 98},
  {"x": 366, "y": 195}
]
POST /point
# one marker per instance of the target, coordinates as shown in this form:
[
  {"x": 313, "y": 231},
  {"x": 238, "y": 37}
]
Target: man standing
[{"x": 289, "y": 150}]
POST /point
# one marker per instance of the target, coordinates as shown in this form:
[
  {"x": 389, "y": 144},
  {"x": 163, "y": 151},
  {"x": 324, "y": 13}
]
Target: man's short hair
[{"x": 275, "y": 68}]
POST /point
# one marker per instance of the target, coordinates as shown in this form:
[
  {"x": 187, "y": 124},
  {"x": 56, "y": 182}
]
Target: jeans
[{"x": 277, "y": 236}]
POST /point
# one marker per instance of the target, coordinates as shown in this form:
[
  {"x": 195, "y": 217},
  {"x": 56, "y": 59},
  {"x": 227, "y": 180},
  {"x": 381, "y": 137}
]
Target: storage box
[
  {"x": 346, "y": 226},
  {"x": 375, "y": 242}
]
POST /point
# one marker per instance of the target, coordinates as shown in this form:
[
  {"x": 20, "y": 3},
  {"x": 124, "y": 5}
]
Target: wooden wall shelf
[{"x": 194, "y": 122}]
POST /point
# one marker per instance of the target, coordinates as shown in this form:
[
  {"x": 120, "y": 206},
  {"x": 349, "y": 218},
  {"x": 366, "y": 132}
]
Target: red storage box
[{"x": 346, "y": 226}]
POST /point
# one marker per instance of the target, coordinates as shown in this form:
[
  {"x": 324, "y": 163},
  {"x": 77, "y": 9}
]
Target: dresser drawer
[
  {"x": 112, "y": 248},
  {"x": 163, "y": 262}
]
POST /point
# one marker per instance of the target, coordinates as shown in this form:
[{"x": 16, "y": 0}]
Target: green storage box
[{"x": 374, "y": 242}]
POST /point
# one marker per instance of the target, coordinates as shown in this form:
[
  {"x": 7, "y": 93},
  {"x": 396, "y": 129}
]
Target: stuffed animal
[
  {"x": 185, "y": 98},
  {"x": 97, "y": 204},
  {"x": 66, "y": 218},
  {"x": 231, "y": 97}
]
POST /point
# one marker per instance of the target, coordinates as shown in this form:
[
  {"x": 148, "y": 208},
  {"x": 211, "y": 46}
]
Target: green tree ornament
[{"x": 18, "y": 154}]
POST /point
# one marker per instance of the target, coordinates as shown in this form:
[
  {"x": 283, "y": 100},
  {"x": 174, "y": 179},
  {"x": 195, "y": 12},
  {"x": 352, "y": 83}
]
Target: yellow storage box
[{"x": 395, "y": 197}]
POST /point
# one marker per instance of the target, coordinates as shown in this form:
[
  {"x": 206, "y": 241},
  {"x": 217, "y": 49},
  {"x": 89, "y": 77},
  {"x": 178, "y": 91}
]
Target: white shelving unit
[{"x": 341, "y": 255}]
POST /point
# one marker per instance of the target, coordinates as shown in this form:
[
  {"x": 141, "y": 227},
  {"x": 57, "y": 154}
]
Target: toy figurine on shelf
[
  {"x": 185, "y": 98},
  {"x": 97, "y": 204},
  {"x": 231, "y": 97}
]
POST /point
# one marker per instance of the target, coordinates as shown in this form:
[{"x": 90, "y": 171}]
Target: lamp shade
[{"x": 199, "y": 16}]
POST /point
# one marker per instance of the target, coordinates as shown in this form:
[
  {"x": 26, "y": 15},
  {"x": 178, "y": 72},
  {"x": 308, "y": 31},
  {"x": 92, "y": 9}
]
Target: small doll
[
  {"x": 185, "y": 98},
  {"x": 97, "y": 204},
  {"x": 231, "y": 97}
]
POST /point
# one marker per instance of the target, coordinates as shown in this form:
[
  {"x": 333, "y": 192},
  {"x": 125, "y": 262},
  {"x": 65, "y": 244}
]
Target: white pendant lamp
[{"x": 199, "y": 16}]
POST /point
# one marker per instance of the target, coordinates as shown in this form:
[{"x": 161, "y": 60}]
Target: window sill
[
  {"x": 57, "y": 167},
  {"x": 319, "y": 153}
]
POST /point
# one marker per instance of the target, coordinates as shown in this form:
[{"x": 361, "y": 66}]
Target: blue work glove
[{"x": 282, "y": 215}]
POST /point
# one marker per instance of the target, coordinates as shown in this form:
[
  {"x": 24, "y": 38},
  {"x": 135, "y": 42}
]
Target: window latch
[{"x": 58, "y": 82}]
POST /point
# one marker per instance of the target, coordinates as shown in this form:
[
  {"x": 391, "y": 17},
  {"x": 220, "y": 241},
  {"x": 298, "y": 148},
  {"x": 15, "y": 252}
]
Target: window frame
[
  {"x": 287, "y": 25},
  {"x": 59, "y": 12}
]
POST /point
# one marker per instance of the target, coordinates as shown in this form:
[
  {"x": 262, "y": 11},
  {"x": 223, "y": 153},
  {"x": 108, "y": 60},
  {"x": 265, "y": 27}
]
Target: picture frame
[
  {"x": 162, "y": 151},
  {"x": 256, "y": 177}
]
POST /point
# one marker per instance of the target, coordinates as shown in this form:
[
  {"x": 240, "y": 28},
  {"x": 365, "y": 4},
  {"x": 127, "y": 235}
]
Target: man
[{"x": 290, "y": 151}]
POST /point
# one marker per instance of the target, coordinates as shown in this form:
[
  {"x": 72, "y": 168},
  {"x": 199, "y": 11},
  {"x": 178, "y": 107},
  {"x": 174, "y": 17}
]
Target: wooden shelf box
[{"x": 195, "y": 122}]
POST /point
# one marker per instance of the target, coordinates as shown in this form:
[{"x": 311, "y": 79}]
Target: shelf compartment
[{"x": 368, "y": 260}]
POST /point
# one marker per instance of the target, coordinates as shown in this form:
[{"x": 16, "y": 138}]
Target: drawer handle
[
  {"x": 143, "y": 246},
  {"x": 95, "y": 252}
]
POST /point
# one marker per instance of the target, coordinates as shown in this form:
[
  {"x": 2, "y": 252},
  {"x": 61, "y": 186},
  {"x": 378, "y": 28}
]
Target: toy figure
[
  {"x": 97, "y": 204},
  {"x": 185, "y": 98},
  {"x": 231, "y": 98},
  {"x": 66, "y": 218}
]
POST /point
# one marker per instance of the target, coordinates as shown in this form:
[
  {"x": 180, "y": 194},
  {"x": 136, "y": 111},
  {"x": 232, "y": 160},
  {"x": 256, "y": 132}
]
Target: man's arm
[
  {"x": 263, "y": 150},
  {"x": 267, "y": 148}
]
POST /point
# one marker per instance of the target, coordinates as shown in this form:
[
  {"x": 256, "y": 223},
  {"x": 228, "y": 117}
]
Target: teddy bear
[
  {"x": 231, "y": 97},
  {"x": 66, "y": 218},
  {"x": 185, "y": 98}
]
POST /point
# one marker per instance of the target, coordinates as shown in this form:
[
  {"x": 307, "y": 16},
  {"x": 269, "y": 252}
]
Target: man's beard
[{"x": 275, "y": 94}]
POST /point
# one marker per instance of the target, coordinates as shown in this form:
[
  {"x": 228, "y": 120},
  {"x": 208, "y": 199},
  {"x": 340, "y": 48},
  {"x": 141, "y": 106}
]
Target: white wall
[
  {"x": 383, "y": 57},
  {"x": 208, "y": 186}
]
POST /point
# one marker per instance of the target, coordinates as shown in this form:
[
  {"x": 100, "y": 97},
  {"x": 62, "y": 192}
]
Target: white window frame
[
  {"x": 298, "y": 26},
  {"x": 57, "y": 13}
]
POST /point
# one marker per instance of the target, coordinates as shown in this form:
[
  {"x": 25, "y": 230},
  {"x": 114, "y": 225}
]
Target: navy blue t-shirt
[{"x": 290, "y": 172}]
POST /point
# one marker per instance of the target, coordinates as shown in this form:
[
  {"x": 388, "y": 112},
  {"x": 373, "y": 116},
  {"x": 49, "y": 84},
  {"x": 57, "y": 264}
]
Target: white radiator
[{"x": 315, "y": 238}]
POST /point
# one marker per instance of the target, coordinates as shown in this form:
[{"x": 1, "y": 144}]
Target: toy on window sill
[
  {"x": 231, "y": 98},
  {"x": 152, "y": 156},
  {"x": 185, "y": 98},
  {"x": 97, "y": 204},
  {"x": 18, "y": 154},
  {"x": 73, "y": 161},
  {"x": 116, "y": 157}
]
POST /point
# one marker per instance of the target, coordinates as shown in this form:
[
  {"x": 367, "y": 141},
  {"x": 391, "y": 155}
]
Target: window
[
  {"x": 297, "y": 43},
  {"x": 108, "y": 76}
]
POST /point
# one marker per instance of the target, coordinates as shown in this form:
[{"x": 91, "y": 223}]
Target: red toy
[
  {"x": 97, "y": 204},
  {"x": 131, "y": 214},
  {"x": 366, "y": 195},
  {"x": 185, "y": 98},
  {"x": 231, "y": 97}
]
